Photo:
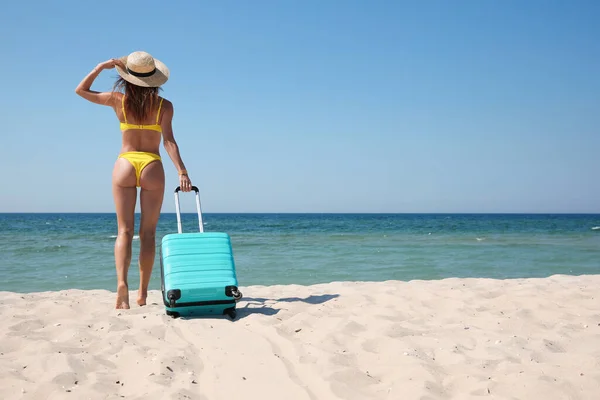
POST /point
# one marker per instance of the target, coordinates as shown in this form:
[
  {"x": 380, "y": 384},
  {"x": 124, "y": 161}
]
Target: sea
[{"x": 50, "y": 252}]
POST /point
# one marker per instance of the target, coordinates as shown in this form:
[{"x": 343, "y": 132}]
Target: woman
[{"x": 144, "y": 117}]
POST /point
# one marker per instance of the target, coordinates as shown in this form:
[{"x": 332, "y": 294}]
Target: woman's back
[{"x": 140, "y": 123}]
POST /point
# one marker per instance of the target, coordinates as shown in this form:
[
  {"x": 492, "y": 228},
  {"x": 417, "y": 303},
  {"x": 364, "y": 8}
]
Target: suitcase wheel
[
  {"x": 234, "y": 292},
  {"x": 231, "y": 313},
  {"x": 173, "y": 314}
]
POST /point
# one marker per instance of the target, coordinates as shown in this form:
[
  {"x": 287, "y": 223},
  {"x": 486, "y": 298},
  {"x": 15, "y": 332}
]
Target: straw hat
[{"x": 143, "y": 70}]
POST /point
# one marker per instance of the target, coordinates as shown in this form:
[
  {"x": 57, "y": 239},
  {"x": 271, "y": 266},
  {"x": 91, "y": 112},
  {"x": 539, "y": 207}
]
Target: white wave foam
[
  {"x": 480, "y": 239},
  {"x": 595, "y": 228},
  {"x": 115, "y": 236}
]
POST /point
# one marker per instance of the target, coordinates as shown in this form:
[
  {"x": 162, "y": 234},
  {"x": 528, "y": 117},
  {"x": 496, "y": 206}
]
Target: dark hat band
[{"x": 141, "y": 74}]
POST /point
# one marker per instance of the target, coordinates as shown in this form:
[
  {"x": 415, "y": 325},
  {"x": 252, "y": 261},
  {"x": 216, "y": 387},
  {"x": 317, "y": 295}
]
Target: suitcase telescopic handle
[{"x": 200, "y": 224}]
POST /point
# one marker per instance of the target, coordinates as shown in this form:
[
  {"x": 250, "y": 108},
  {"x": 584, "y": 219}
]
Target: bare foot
[
  {"x": 141, "y": 300},
  {"x": 122, "y": 297}
]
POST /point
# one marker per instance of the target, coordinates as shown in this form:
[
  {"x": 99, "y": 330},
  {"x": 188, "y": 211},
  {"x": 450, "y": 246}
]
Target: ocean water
[{"x": 40, "y": 252}]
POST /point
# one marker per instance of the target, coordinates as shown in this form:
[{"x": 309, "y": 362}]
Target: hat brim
[{"x": 160, "y": 76}]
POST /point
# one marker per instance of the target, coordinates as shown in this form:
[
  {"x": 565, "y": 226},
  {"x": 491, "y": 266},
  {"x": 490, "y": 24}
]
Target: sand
[{"x": 447, "y": 339}]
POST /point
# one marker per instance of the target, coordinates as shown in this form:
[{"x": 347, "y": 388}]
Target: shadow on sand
[
  {"x": 260, "y": 305},
  {"x": 264, "y": 306}
]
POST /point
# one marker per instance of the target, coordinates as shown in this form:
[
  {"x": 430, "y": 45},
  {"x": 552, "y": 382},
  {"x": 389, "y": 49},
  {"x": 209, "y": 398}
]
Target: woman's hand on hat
[
  {"x": 109, "y": 64},
  {"x": 119, "y": 63}
]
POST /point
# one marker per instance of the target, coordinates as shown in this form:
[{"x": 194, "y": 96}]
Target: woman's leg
[
  {"x": 124, "y": 194},
  {"x": 151, "y": 198}
]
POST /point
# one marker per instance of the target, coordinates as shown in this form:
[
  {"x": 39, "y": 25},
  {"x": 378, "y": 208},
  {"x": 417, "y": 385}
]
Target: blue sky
[{"x": 315, "y": 106}]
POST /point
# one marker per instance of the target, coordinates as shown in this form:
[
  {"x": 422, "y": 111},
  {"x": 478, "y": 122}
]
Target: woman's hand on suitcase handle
[{"x": 185, "y": 183}]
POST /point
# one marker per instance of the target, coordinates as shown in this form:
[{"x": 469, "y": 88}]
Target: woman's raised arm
[{"x": 103, "y": 98}]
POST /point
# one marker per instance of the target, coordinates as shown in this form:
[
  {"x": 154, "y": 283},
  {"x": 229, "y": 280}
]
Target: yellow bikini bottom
[{"x": 139, "y": 160}]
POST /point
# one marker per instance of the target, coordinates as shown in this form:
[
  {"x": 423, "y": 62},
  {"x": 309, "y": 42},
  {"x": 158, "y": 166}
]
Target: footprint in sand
[{"x": 553, "y": 346}]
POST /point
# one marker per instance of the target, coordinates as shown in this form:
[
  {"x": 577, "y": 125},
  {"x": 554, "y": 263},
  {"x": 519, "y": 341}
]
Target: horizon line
[{"x": 325, "y": 212}]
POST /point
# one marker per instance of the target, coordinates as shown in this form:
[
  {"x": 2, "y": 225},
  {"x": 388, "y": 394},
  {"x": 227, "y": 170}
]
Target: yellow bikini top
[{"x": 124, "y": 125}]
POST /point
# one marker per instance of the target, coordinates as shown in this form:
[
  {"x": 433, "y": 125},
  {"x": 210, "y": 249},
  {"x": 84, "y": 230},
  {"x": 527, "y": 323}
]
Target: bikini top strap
[
  {"x": 159, "y": 107},
  {"x": 123, "y": 107}
]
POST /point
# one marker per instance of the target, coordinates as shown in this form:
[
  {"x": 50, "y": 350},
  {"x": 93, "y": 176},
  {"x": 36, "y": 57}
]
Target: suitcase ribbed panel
[{"x": 200, "y": 265}]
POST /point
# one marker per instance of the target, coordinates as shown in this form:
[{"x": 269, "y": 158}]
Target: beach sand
[{"x": 447, "y": 339}]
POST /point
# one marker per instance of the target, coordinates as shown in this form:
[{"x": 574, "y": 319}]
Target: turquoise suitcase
[{"x": 198, "y": 276}]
